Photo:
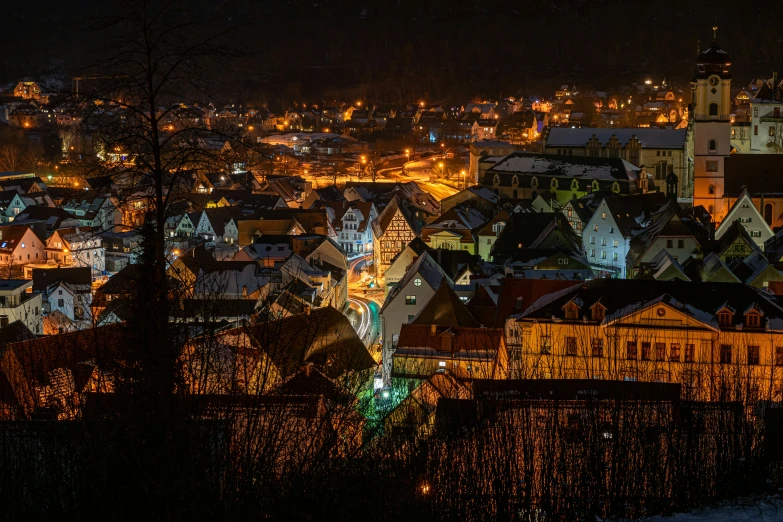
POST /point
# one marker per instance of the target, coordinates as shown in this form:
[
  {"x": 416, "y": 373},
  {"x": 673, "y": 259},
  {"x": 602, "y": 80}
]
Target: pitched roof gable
[{"x": 445, "y": 309}]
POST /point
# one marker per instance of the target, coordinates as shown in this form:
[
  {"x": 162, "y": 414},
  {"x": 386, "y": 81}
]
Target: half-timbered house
[{"x": 391, "y": 232}]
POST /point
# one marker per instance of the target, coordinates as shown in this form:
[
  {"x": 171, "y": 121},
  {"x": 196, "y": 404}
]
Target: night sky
[{"x": 396, "y": 50}]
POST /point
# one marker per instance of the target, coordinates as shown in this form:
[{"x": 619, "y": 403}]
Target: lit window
[
  {"x": 417, "y": 282},
  {"x": 22, "y": 245}
]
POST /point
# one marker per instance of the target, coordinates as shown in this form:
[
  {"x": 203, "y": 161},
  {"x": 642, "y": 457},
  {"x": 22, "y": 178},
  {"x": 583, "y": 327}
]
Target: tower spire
[{"x": 714, "y": 33}]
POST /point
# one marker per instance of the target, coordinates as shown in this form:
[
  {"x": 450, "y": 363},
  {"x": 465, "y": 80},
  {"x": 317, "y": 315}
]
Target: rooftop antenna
[
  {"x": 698, "y": 46},
  {"x": 714, "y": 33}
]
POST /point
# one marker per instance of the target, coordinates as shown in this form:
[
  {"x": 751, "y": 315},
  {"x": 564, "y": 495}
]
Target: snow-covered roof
[
  {"x": 571, "y": 166},
  {"x": 484, "y": 193},
  {"x": 649, "y": 138}
]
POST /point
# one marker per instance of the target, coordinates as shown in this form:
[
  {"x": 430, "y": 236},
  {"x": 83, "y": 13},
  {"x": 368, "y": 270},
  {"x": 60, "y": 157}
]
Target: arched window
[
  {"x": 713, "y": 145},
  {"x": 712, "y": 189},
  {"x": 713, "y": 109}
]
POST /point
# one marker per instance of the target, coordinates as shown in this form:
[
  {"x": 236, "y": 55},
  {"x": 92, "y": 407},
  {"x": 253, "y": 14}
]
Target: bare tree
[{"x": 10, "y": 157}]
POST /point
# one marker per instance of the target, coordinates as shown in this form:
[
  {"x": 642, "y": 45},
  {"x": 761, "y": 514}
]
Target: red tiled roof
[{"x": 463, "y": 340}]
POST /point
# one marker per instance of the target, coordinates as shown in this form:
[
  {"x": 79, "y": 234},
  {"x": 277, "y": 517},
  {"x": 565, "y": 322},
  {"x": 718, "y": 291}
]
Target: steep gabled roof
[
  {"x": 323, "y": 337},
  {"x": 11, "y": 236},
  {"x": 769, "y": 94},
  {"x": 734, "y": 231},
  {"x": 487, "y": 229},
  {"x": 743, "y": 203},
  {"x": 530, "y": 230},
  {"x": 664, "y": 267},
  {"x": 424, "y": 267},
  {"x": 383, "y": 221},
  {"x": 445, "y": 309},
  {"x": 629, "y": 212},
  {"x": 219, "y": 217}
]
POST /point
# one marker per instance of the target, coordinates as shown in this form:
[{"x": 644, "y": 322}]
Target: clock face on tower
[{"x": 714, "y": 80}]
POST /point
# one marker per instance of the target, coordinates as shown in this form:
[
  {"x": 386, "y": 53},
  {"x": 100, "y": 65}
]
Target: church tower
[{"x": 710, "y": 110}]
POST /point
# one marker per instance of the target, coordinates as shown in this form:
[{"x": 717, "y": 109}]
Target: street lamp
[{"x": 463, "y": 179}]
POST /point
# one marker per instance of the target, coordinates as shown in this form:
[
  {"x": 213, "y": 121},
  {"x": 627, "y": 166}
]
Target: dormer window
[
  {"x": 598, "y": 312},
  {"x": 725, "y": 317},
  {"x": 571, "y": 310},
  {"x": 752, "y": 320},
  {"x": 753, "y": 317}
]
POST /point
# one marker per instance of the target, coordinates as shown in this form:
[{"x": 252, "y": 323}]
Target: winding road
[{"x": 367, "y": 305}]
